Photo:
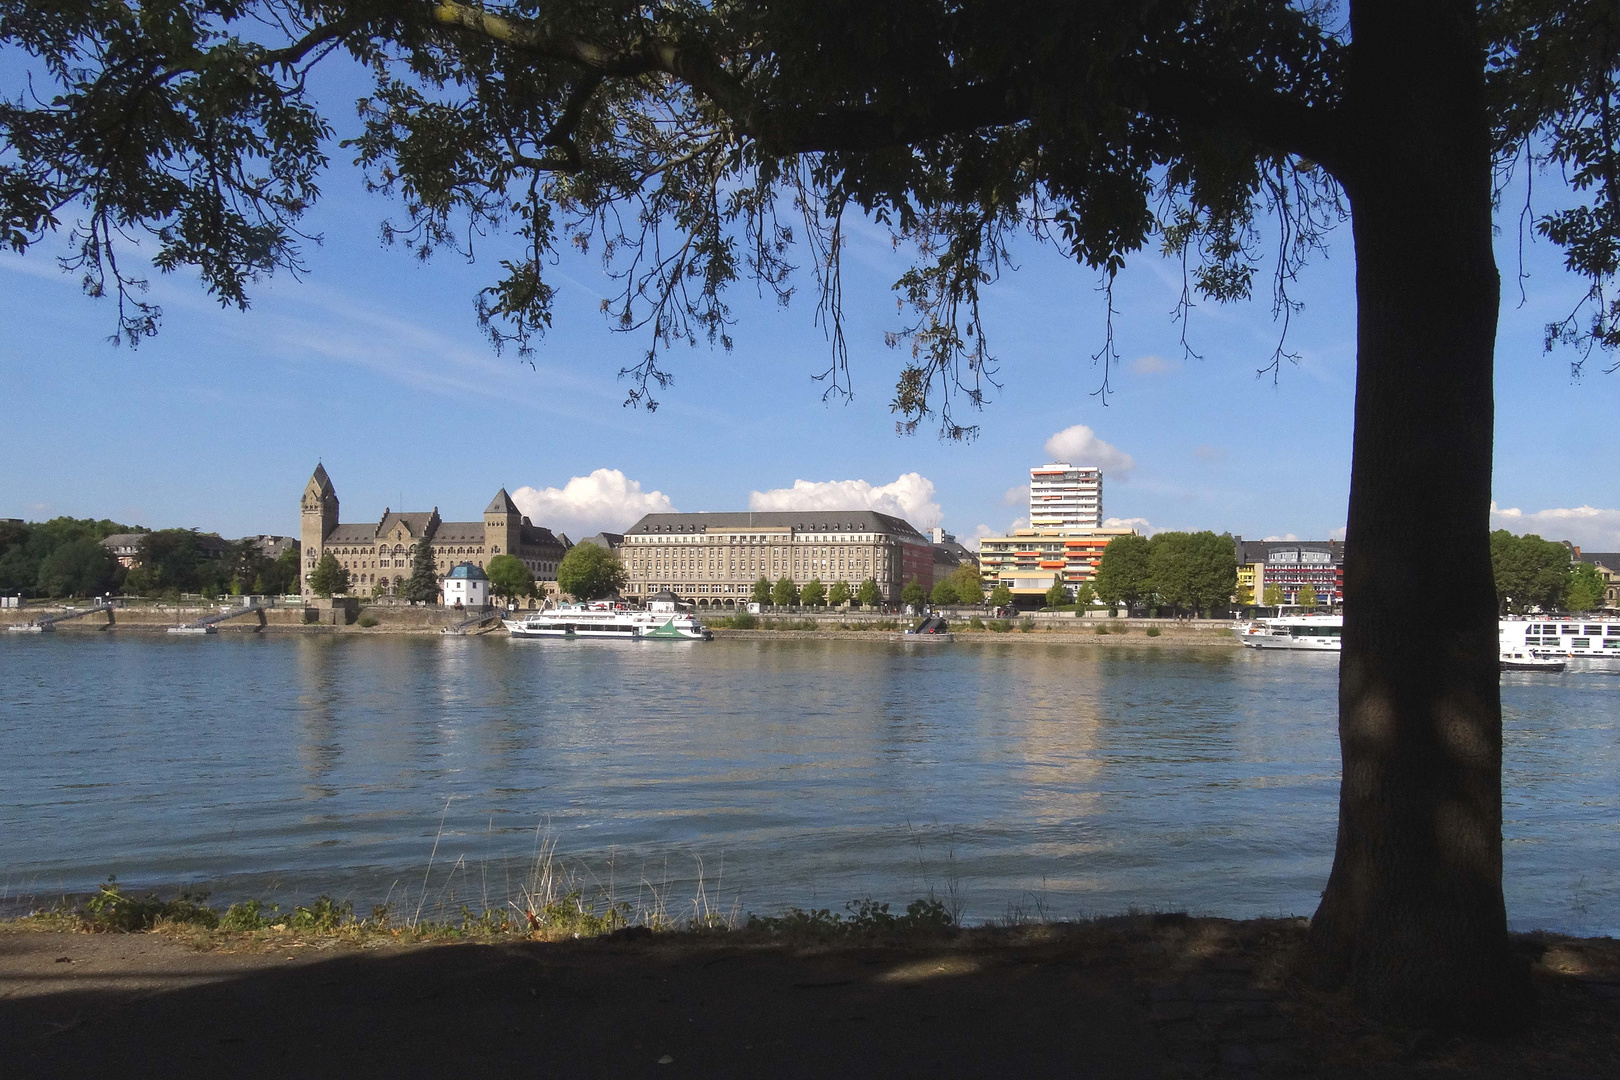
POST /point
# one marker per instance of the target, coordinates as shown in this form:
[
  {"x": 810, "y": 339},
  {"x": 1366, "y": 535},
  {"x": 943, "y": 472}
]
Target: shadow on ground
[{"x": 1133, "y": 997}]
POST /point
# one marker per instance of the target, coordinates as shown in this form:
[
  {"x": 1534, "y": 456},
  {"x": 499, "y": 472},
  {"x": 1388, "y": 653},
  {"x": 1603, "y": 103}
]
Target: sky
[{"x": 374, "y": 365}]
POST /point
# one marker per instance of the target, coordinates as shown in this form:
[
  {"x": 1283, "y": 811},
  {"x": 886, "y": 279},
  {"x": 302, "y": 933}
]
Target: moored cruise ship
[
  {"x": 1311, "y": 633},
  {"x": 664, "y": 618},
  {"x": 1595, "y": 642}
]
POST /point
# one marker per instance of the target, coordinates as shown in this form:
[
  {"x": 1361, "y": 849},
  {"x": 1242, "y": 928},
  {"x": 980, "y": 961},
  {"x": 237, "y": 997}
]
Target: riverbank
[
  {"x": 392, "y": 619},
  {"x": 1134, "y": 996}
]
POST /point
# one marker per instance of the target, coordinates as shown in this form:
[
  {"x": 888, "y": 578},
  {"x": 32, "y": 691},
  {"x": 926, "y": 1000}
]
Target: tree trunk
[{"x": 1412, "y": 919}]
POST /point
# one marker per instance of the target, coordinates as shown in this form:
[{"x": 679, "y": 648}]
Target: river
[{"x": 1006, "y": 779}]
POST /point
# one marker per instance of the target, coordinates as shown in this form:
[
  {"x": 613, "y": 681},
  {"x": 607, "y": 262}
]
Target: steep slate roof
[
  {"x": 352, "y": 534},
  {"x": 1253, "y": 551},
  {"x": 501, "y": 504},
  {"x": 803, "y": 520},
  {"x": 467, "y": 570},
  {"x": 459, "y": 532},
  {"x": 415, "y": 523},
  {"x": 534, "y": 534},
  {"x": 611, "y": 541},
  {"x": 1609, "y": 559},
  {"x": 322, "y": 481}
]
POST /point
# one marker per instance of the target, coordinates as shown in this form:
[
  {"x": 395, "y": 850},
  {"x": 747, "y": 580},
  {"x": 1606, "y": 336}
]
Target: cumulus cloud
[
  {"x": 1141, "y": 525},
  {"x": 606, "y": 499},
  {"x": 1338, "y": 534},
  {"x": 1079, "y": 445},
  {"x": 1016, "y": 496},
  {"x": 1151, "y": 365},
  {"x": 1585, "y": 526},
  {"x": 1283, "y": 538},
  {"x": 909, "y": 496}
]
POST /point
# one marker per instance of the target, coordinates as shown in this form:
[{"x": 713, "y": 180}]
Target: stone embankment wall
[{"x": 394, "y": 619}]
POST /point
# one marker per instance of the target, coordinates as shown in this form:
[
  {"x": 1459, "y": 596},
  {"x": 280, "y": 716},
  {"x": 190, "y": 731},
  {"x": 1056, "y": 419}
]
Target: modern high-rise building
[{"x": 1064, "y": 496}]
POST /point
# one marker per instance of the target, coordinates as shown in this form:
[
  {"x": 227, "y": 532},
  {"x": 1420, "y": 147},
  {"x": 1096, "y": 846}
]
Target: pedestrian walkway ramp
[
  {"x": 471, "y": 623},
  {"x": 47, "y": 623},
  {"x": 209, "y": 623}
]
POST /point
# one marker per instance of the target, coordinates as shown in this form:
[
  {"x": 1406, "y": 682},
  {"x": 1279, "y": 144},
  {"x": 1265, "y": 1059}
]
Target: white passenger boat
[
  {"x": 664, "y": 618},
  {"x": 1311, "y": 633},
  {"x": 1519, "y": 661},
  {"x": 1579, "y": 641}
]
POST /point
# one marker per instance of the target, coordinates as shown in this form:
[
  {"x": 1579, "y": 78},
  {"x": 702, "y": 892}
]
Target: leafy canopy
[
  {"x": 689, "y": 144},
  {"x": 589, "y": 572}
]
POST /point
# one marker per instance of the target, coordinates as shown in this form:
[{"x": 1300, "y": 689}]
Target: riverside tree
[
  {"x": 839, "y": 594},
  {"x": 1307, "y": 597},
  {"x": 508, "y": 577},
  {"x": 330, "y": 577},
  {"x": 589, "y": 572},
  {"x": 913, "y": 594},
  {"x": 814, "y": 593},
  {"x": 423, "y": 585},
  {"x": 1001, "y": 596},
  {"x": 784, "y": 593},
  {"x": 1123, "y": 575},
  {"x": 1098, "y": 127},
  {"x": 1057, "y": 595},
  {"x": 1586, "y": 589},
  {"x": 1529, "y": 572},
  {"x": 761, "y": 593},
  {"x": 869, "y": 595}
]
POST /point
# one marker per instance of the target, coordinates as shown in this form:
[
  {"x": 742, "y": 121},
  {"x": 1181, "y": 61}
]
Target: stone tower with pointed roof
[
  {"x": 503, "y": 525},
  {"x": 378, "y": 555},
  {"x": 318, "y": 515}
]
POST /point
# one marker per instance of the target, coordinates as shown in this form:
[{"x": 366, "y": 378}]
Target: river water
[{"x": 1054, "y": 780}]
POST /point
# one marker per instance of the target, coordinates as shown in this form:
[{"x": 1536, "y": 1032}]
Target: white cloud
[
  {"x": 1152, "y": 365},
  {"x": 1284, "y": 537},
  {"x": 1079, "y": 445},
  {"x": 606, "y": 499},
  {"x": 1141, "y": 525},
  {"x": 1586, "y": 526},
  {"x": 909, "y": 496},
  {"x": 1016, "y": 496},
  {"x": 1338, "y": 534}
]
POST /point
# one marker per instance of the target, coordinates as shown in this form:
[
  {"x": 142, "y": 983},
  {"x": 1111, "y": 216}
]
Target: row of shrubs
[{"x": 112, "y": 910}]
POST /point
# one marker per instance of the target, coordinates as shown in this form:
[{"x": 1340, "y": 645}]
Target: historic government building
[
  {"x": 714, "y": 559},
  {"x": 381, "y": 552}
]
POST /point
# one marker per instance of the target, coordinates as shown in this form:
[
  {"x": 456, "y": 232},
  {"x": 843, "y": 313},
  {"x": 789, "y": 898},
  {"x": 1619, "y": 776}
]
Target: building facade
[
  {"x": 714, "y": 559},
  {"x": 1064, "y": 496},
  {"x": 1291, "y": 565},
  {"x": 379, "y": 555},
  {"x": 1029, "y": 561},
  {"x": 1608, "y": 565},
  {"x": 466, "y": 586}
]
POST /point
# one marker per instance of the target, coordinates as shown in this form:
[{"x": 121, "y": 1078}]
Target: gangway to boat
[
  {"x": 47, "y": 623},
  {"x": 208, "y": 624},
  {"x": 466, "y": 625}
]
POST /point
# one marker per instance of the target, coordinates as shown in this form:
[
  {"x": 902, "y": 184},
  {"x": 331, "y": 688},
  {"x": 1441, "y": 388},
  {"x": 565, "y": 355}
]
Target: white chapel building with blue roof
[{"x": 466, "y": 586}]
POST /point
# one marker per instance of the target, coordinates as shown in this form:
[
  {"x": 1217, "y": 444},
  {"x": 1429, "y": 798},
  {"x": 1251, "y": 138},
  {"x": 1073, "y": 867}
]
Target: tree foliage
[
  {"x": 330, "y": 577},
  {"x": 1001, "y": 596},
  {"x": 761, "y": 593},
  {"x": 1531, "y": 573},
  {"x": 78, "y": 568},
  {"x": 869, "y": 595},
  {"x": 1306, "y": 598},
  {"x": 589, "y": 572},
  {"x": 1586, "y": 588},
  {"x": 1057, "y": 595},
  {"x": 1123, "y": 574},
  {"x": 1272, "y": 595},
  {"x": 1085, "y": 596},
  {"x": 839, "y": 594},
  {"x": 912, "y": 594},
  {"x": 690, "y": 145},
  {"x": 422, "y": 586},
  {"x": 508, "y": 577},
  {"x": 784, "y": 593},
  {"x": 26, "y": 548},
  {"x": 814, "y": 593}
]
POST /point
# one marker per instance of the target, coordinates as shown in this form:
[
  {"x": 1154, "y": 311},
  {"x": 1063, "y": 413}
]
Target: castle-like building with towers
[{"x": 381, "y": 553}]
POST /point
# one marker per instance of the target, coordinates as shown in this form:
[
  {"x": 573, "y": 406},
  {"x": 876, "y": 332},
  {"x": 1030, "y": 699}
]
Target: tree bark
[{"x": 1413, "y": 919}]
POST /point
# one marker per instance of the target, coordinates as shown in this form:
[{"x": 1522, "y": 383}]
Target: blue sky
[{"x": 374, "y": 365}]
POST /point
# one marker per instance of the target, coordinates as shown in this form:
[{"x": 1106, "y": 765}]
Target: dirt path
[{"x": 1126, "y": 998}]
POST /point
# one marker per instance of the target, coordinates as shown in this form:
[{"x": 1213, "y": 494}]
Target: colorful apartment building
[
  {"x": 1064, "y": 496},
  {"x": 1029, "y": 561},
  {"x": 1291, "y": 565}
]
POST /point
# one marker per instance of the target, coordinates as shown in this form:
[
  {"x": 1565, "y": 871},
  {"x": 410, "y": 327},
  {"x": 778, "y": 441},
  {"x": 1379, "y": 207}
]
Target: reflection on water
[{"x": 1076, "y": 779}]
